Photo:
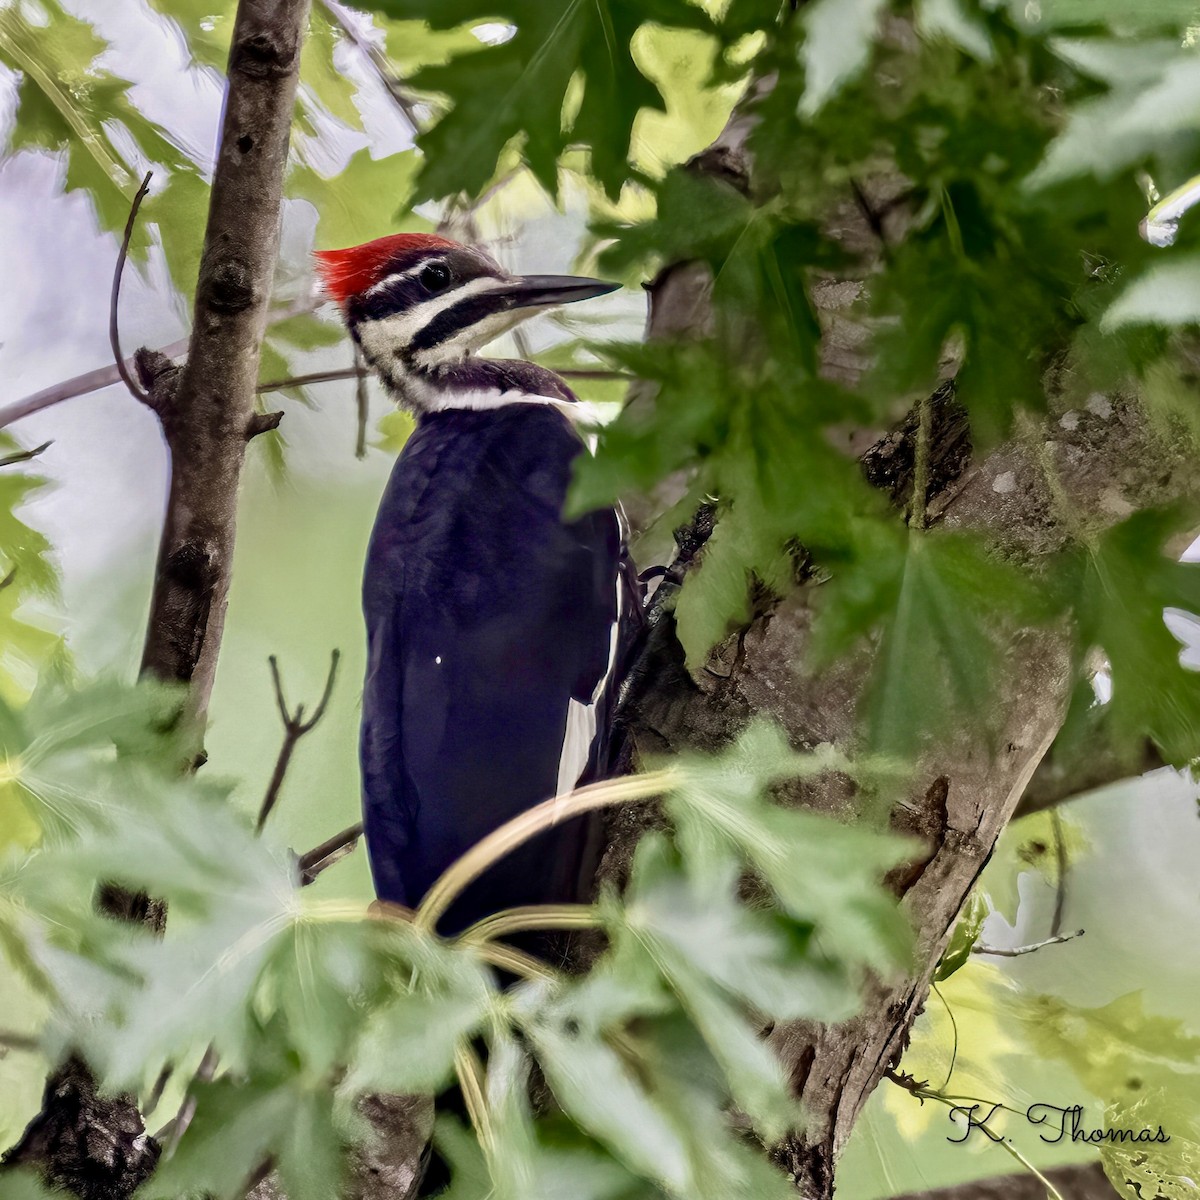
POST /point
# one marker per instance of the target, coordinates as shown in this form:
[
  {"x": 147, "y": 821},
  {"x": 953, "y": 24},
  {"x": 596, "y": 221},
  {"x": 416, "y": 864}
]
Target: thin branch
[
  {"x": 1060, "y": 890},
  {"x": 916, "y": 519},
  {"x": 1017, "y": 951},
  {"x": 172, "y": 1132},
  {"x": 924, "y": 1092},
  {"x": 102, "y": 377},
  {"x": 361, "y": 404},
  {"x": 279, "y": 385},
  {"x": 18, "y": 1041},
  {"x": 24, "y": 455},
  {"x": 321, "y": 858},
  {"x": 1062, "y": 778},
  {"x": 114, "y": 331},
  {"x": 294, "y": 728},
  {"x": 1081, "y": 1181},
  {"x": 954, "y": 1027}
]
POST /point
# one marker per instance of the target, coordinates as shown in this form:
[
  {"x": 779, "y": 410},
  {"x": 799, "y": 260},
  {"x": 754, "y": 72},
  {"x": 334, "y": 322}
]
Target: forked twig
[
  {"x": 114, "y": 333},
  {"x": 1017, "y": 951},
  {"x": 294, "y": 728}
]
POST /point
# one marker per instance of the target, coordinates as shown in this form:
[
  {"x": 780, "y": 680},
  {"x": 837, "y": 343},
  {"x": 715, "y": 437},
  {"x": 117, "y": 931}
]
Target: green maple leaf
[
  {"x": 239, "y": 1124},
  {"x": 525, "y": 85},
  {"x": 724, "y": 962},
  {"x": 938, "y": 602},
  {"x": 1118, "y": 586},
  {"x": 1150, "y": 105},
  {"x": 657, "y": 1102},
  {"x": 821, "y": 872},
  {"x": 409, "y": 1043},
  {"x": 1143, "y": 1071},
  {"x": 58, "y": 746}
]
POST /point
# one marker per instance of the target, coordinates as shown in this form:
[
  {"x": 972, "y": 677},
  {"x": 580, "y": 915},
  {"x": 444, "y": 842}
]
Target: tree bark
[
  {"x": 1074, "y": 1183},
  {"x": 93, "y": 1145},
  {"x": 207, "y": 410}
]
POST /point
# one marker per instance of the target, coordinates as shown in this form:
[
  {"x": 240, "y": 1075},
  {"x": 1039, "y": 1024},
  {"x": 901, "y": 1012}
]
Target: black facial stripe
[
  {"x": 459, "y": 316},
  {"x": 401, "y": 294}
]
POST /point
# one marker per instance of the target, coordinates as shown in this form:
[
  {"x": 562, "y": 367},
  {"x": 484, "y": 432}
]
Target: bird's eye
[{"x": 435, "y": 277}]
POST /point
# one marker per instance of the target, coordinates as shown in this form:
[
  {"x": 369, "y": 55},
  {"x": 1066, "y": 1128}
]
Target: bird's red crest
[{"x": 346, "y": 273}]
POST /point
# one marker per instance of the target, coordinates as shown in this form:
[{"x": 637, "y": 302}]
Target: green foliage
[
  {"x": 966, "y": 933},
  {"x": 305, "y": 1004},
  {"x": 69, "y": 103},
  {"x": 1000, "y": 269},
  {"x": 1152, "y": 692},
  {"x": 937, "y": 601},
  {"x": 557, "y": 61},
  {"x": 26, "y": 572},
  {"x": 1002, "y": 163}
]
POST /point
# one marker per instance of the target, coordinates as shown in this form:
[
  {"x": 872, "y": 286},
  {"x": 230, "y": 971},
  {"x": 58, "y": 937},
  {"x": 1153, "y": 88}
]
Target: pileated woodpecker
[{"x": 496, "y": 630}]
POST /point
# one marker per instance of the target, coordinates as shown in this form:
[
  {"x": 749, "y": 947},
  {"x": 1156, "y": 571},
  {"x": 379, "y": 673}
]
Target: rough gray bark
[
  {"x": 92, "y": 1145},
  {"x": 1075, "y": 1183},
  {"x": 387, "y": 1168},
  {"x": 207, "y": 413}
]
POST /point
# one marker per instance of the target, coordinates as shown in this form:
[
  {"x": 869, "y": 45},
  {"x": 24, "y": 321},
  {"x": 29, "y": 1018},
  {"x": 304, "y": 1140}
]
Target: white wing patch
[{"x": 579, "y": 734}]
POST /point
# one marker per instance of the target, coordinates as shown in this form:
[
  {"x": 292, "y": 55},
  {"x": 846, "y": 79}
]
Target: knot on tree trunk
[
  {"x": 159, "y": 375},
  {"x": 264, "y": 54},
  {"x": 228, "y": 285},
  {"x": 95, "y": 1147}
]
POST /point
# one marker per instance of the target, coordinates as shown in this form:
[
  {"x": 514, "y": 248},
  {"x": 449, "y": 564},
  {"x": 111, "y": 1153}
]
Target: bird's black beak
[{"x": 537, "y": 291}]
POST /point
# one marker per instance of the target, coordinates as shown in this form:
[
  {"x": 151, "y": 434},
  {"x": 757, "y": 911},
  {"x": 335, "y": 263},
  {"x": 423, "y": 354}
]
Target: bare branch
[
  {"x": 278, "y": 385},
  {"x": 18, "y": 1041},
  {"x": 361, "y": 404},
  {"x": 321, "y": 858},
  {"x": 1060, "y": 890},
  {"x": 77, "y": 385},
  {"x": 294, "y": 728},
  {"x": 262, "y": 422},
  {"x": 114, "y": 331},
  {"x": 102, "y": 377},
  {"x": 1059, "y": 779},
  {"x": 1017, "y": 951},
  {"x": 171, "y": 1133},
  {"x": 24, "y": 455}
]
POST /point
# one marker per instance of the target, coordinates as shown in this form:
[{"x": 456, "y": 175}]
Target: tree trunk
[
  {"x": 207, "y": 409},
  {"x": 92, "y": 1145}
]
